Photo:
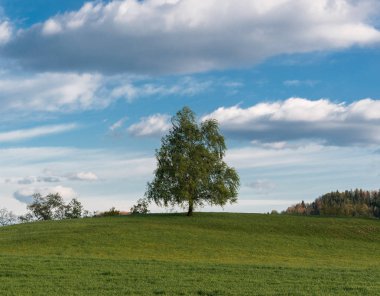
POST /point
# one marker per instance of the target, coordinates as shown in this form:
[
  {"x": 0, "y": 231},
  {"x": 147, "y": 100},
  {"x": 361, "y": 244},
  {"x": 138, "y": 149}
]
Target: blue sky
[{"x": 87, "y": 90}]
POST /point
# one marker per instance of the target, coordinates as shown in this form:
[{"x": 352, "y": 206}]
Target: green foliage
[
  {"x": 211, "y": 254},
  {"x": 74, "y": 209},
  {"x": 356, "y": 203},
  {"x": 141, "y": 207},
  {"x": 52, "y": 207},
  {"x": 190, "y": 168},
  {"x": 47, "y": 207}
]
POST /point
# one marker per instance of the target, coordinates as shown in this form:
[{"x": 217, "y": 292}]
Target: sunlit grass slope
[{"x": 208, "y": 254}]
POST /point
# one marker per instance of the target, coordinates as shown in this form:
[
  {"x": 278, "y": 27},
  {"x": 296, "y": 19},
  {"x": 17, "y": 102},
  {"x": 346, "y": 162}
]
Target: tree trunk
[{"x": 191, "y": 207}]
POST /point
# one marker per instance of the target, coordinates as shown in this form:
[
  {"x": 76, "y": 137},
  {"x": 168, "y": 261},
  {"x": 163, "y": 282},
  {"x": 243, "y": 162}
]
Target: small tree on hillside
[
  {"x": 74, "y": 209},
  {"x": 190, "y": 168},
  {"x": 141, "y": 207},
  {"x": 47, "y": 207},
  {"x": 7, "y": 217},
  {"x": 52, "y": 207}
]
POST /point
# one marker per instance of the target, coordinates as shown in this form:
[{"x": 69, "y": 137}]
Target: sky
[{"x": 87, "y": 90}]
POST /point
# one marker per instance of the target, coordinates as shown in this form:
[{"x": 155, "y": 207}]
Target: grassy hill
[{"x": 208, "y": 254}]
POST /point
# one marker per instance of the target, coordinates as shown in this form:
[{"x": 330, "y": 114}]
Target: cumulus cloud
[
  {"x": 25, "y": 134},
  {"x": 51, "y": 27},
  {"x": 183, "y": 36},
  {"x": 154, "y": 125},
  {"x": 25, "y": 195},
  {"x": 300, "y": 119}
]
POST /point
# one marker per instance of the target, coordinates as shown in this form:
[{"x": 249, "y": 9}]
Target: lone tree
[{"x": 190, "y": 168}]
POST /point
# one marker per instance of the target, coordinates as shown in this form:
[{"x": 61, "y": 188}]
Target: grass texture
[{"x": 207, "y": 254}]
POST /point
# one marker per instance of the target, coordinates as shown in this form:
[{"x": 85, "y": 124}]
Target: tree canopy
[
  {"x": 52, "y": 207},
  {"x": 190, "y": 168}
]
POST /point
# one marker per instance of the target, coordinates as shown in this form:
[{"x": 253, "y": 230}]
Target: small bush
[
  {"x": 141, "y": 207},
  {"x": 111, "y": 212}
]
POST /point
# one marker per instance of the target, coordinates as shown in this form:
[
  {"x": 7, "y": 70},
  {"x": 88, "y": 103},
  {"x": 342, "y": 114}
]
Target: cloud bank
[
  {"x": 186, "y": 36},
  {"x": 295, "y": 119}
]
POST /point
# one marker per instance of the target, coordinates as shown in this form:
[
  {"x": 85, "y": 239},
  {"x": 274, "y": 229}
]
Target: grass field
[{"x": 208, "y": 254}]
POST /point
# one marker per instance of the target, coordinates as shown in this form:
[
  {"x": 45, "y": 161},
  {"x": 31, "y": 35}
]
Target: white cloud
[
  {"x": 366, "y": 109},
  {"x": 71, "y": 92},
  {"x": 166, "y": 36},
  {"x": 83, "y": 176},
  {"x": 293, "y": 109},
  {"x": 5, "y": 32},
  {"x": 299, "y": 119},
  {"x": 51, "y": 92},
  {"x": 25, "y": 134},
  {"x": 51, "y": 27},
  {"x": 25, "y": 195},
  {"x": 154, "y": 125},
  {"x": 299, "y": 109},
  {"x": 118, "y": 124}
]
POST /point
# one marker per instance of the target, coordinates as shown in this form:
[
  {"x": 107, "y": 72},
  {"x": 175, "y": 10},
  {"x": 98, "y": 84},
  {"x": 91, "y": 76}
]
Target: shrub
[
  {"x": 141, "y": 207},
  {"x": 111, "y": 212}
]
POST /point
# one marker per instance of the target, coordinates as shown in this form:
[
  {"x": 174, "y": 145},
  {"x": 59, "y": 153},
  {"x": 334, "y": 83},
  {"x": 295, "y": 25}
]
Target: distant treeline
[{"x": 358, "y": 202}]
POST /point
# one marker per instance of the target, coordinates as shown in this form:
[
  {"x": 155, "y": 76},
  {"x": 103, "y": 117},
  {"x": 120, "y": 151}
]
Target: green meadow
[{"x": 207, "y": 254}]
